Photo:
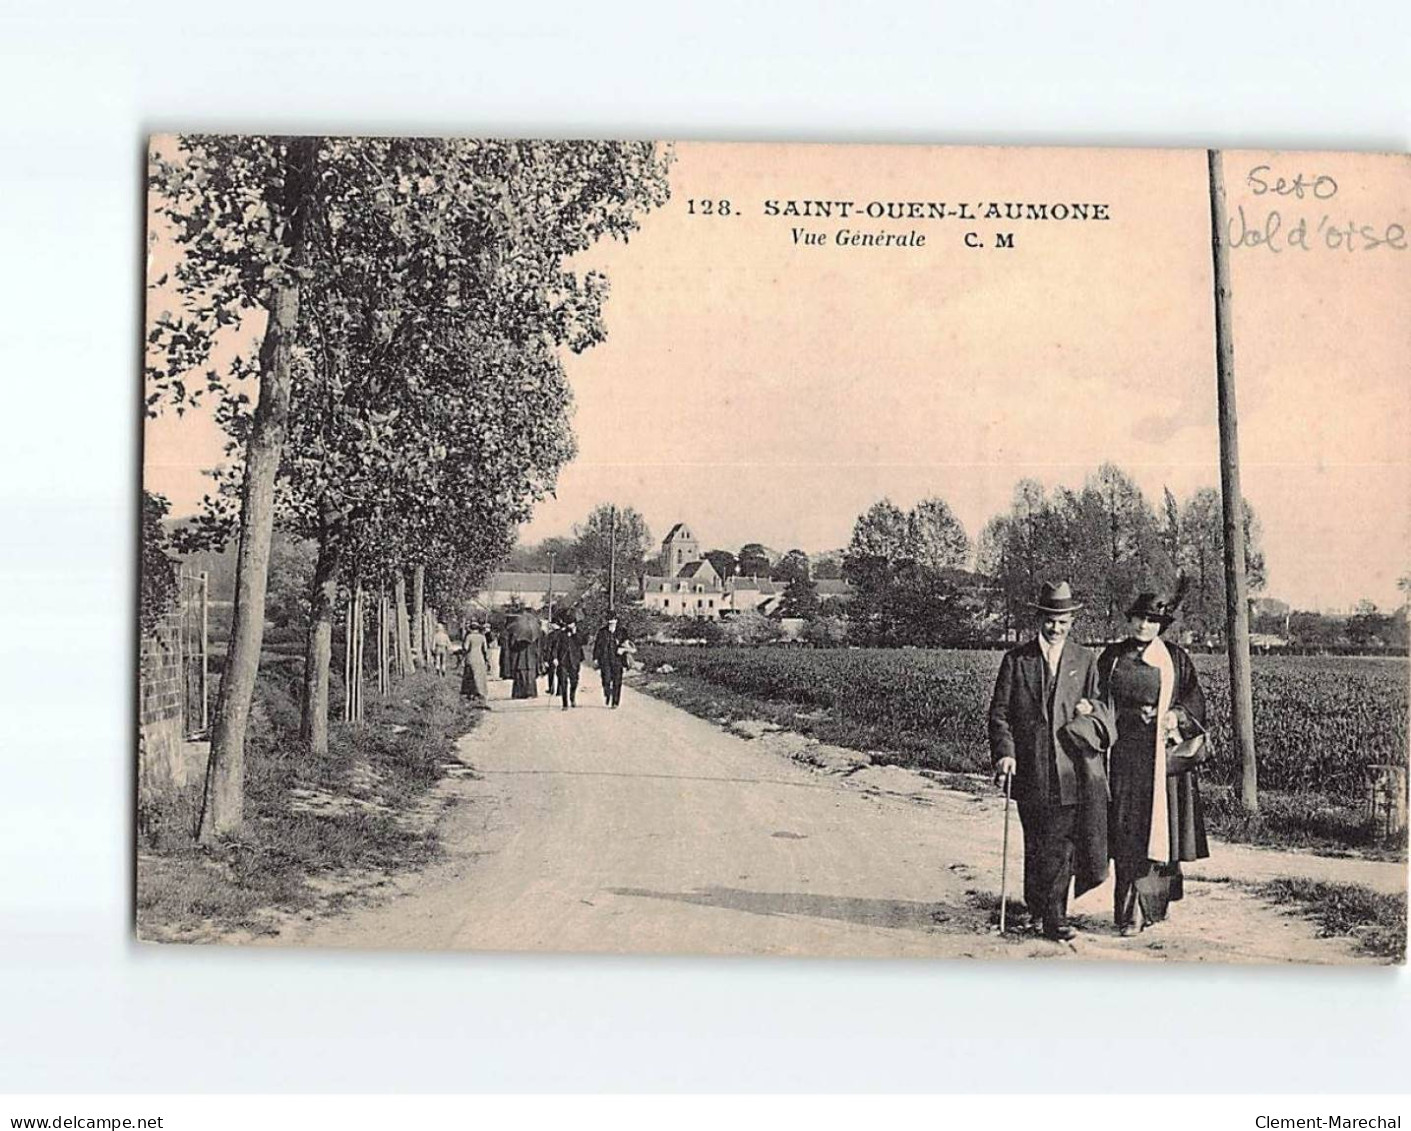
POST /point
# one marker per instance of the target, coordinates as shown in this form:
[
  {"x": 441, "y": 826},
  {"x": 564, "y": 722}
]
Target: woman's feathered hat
[{"x": 1150, "y": 606}]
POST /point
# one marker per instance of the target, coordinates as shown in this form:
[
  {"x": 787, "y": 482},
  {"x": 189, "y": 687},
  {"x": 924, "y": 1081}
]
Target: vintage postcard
[{"x": 809, "y": 550}]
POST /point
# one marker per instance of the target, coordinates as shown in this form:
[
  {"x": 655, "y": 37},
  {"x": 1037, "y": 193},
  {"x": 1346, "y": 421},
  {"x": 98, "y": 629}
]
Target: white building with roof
[{"x": 689, "y": 586}]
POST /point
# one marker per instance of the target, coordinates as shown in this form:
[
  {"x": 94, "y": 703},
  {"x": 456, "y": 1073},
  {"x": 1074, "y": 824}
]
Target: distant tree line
[{"x": 917, "y": 578}]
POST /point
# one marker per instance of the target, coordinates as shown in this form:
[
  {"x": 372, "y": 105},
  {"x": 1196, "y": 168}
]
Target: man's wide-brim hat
[
  {"x": 1148, "y": 606},
  {"x": 1057, "y": 598}
]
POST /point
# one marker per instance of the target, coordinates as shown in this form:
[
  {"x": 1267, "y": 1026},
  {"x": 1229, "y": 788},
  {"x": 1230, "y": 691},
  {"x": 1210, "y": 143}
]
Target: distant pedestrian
[
  {"x": 441, "y": 648},
  {"x": 475, "y": 682},
  {"x": 568, "y": 657},
  {"x": 549, "y": 652},
  {"x": 610, "y": 651},
  {"x": 492, "y": 649},
  {"x": 523, "y": 636},
  {"x": 503, "y": 667}
]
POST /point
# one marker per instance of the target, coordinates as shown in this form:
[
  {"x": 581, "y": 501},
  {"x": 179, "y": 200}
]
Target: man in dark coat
[
  {"x": 609, "y": 653},
  {"x": 1042, "y": 686},
  {"x": 568, "y": 657}
]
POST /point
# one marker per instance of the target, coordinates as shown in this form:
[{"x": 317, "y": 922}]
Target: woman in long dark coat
[
  {"x": 504, "y": 650},
  {"x": 522, "y": 636},
  {"x": 1156, "y": 820}
]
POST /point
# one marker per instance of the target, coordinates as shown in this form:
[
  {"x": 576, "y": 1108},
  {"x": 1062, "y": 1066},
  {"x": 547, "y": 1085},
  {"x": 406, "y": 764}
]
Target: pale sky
[{"x": 765, "y": 391}]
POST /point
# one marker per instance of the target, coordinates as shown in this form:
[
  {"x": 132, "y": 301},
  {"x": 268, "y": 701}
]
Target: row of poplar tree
[
  {"x": 406, "y": 403},
  {"x": 1106, "y": 538}
]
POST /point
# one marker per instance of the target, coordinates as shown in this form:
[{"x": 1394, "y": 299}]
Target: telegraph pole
[
  {"x": 612, "y": 557},
  {"x": 1236, "y": 589}
]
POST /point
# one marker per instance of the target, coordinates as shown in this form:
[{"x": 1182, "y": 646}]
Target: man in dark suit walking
[
  {"x": 568, "y": 656},
  {"x": 1042, "y": 686},
  {"x": 610, "y": 648}
]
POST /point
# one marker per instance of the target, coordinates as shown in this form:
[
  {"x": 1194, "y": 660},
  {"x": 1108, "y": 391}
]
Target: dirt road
[{"x": 646, "y": 829}]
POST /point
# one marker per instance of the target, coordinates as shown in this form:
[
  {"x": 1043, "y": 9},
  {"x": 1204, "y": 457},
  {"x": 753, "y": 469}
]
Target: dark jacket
[
  {"x": 1024, "y": 722},
  {"x": 568, "y": 649},
  {"x": 1085, "y": 741},
  {"x": 605, "y": 645},
  {"x": 1133, "y": 763}
]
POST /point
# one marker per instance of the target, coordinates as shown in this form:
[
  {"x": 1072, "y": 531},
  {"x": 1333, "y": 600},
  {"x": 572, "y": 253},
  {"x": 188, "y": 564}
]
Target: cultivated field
[{"x": 1318, "y": 720}]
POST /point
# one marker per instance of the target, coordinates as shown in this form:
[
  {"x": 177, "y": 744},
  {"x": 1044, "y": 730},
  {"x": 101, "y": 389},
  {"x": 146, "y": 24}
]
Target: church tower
[{"x": 679, "y": 548}]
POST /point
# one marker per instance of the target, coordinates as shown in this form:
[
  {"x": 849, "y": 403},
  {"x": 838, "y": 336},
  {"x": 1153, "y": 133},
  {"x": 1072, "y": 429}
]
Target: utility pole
[
  {"x": 612, "y": 557},
  {"x": 551, "y": 586},
  {"x": 1236, "y": 589}
]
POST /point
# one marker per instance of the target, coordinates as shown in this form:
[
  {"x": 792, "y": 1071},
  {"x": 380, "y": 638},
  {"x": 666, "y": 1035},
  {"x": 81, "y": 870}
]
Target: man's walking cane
[{"x": 1004, "y": 857}]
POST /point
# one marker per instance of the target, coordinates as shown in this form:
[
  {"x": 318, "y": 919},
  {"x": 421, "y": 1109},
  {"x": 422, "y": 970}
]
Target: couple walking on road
[
  {"x": 564, "y": 648},
  {"x": 1099, "y": 754}
]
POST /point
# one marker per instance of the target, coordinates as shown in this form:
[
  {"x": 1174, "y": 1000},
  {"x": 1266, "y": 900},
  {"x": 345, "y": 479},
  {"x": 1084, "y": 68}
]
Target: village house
[
  {"x": 757, "y": 593},
  {"x": 529, "y": 589},
  {"x": 688, "y": 585}
]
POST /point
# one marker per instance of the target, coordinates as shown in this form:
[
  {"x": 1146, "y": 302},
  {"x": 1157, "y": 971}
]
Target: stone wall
[{"x": 165, "y": 760}]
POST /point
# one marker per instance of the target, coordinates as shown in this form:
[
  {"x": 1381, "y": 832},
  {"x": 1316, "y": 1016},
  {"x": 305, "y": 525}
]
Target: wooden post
[
  {"x": 205, "y": 652},
  {"x": 1236, "y": 590},
  {"x": 612, "y": 558},
  {"x": 1386, "y": 802},
  {"x": 420, "y": 645},
  {"x": 382, "y": 638},
  {"x": 348, "y": 660},
  {"x": 551, "y": 587},
  {"x": 401, "y": 626},
  {"x": 358, "y": 651}
]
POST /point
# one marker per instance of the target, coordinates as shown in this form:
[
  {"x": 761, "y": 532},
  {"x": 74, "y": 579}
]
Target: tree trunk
[
  {"x": 382, "y": 638},
  {"x": 318, "y": 651},
  {"x": 419, "y": 641},
  {"x": 223, "y": 802}
]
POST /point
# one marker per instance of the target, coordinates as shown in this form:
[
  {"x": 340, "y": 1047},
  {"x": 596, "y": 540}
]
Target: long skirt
[
  {"x": 474, "y": 681},
  {"x": 526, "y": 686},
  {"x": 1141, "y": 882}
]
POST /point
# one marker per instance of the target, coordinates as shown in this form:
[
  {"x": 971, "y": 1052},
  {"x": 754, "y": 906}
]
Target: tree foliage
[
  {"x": 754, "y": 560},
  {"x": 903, "y": 569},
  {"x": 157, "y": 594},
  {"x": 723, "y": 562},
  {"x": 433, "y": 286},
  {"x": 800, "y": 598},
  {"x": 613, "y": 534},
  {"x": 1108, "y": 541},
  {"x": 794, "y": 565}
]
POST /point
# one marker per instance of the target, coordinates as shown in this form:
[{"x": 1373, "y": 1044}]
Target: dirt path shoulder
[{"x": 646, "y": 829}]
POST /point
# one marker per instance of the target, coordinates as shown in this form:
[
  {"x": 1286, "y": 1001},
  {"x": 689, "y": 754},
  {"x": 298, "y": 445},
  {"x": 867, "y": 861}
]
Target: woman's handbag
[{"x": 1189, "y": 752}]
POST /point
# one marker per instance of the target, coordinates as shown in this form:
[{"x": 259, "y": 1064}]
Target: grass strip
[
  {"x": 311, "y": 823},
  {"x": 1376, "y": 920}
]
